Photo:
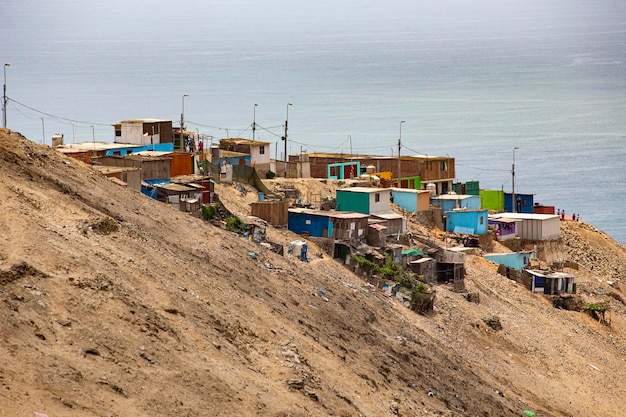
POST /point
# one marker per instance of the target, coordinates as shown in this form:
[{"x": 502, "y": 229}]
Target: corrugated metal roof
[
  {"x": 377, "y": 226},
  {"x": 113, "y": 169},
  {"x": 388, "y": 216},
  {"x": 152, "y": 153},
  {"x": 408, "y": 190},
  {"x": 454, "y": 197},
  {"x": 243, "y": 141},
  {"x": 364, "y": 189},
  {"x": 524, "y": 216},
  {"x": 98, "y": 146},
  {"x": 174, "y": 187},
  {"x": 329, "y": 213}
]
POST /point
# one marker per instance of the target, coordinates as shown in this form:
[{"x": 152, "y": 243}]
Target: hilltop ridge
[{"x": 114, "y": 305}]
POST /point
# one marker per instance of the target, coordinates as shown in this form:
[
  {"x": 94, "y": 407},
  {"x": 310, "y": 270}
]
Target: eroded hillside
[{"x": 116, "y": 305}]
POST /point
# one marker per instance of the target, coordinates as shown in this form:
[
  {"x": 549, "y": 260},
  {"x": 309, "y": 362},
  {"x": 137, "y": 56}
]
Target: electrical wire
[{"x": 59, "y": 118}]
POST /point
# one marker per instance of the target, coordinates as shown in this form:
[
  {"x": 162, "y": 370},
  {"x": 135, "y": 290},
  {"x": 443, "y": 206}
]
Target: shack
[
  {"x": 411, "y": 200},
  {"x": 551, "y": 283},
  {"x": 533, "y": 226},
  {"x": 471, "y": 222},
  {"x": 274, "y": 212},
  {"x": 514, "y": 260}
]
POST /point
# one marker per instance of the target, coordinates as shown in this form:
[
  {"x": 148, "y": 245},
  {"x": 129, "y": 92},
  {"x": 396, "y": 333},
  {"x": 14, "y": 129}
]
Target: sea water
[{"x": 473, "y": 80}]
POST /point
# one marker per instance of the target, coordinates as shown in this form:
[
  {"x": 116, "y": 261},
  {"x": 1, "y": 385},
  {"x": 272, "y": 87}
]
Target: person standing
[{"x": 303, "y": 250}]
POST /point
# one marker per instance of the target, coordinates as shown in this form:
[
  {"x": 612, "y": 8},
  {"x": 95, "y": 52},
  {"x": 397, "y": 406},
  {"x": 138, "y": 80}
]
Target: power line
[{"x": 57, "y": 117}]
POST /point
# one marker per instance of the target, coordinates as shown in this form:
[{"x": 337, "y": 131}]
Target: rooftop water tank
[
  {"x": 57, "y": 139},
  {"x": 432, "y": 188}
]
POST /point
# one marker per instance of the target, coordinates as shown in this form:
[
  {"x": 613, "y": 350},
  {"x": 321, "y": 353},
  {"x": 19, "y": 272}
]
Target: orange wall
[{"x": 182, "y": 164}]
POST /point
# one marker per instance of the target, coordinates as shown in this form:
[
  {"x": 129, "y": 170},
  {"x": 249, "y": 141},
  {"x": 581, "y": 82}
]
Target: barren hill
[{"x": 116, "y": 305}]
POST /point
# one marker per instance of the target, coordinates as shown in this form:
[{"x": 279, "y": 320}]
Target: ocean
[{"x": 471, "y": 79}]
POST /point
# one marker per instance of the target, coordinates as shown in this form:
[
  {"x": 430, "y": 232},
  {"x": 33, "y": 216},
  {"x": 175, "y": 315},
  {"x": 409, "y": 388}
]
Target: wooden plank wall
[{"x": 274, "y": 212}]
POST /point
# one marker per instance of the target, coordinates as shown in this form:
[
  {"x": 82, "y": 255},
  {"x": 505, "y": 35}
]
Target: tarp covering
[{"x": 412, "y": 252}]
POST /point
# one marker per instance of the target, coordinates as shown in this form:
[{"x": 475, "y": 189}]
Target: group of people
[{"x": 561, "y": 213}]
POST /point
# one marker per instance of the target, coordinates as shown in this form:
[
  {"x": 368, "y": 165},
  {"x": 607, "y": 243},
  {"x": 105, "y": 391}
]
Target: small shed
[
  {"x": 505, "y": 228},
  {"x": 411, "y": 200},
  {"x": 514, "y": 260},
  {"x": 471, "y": 222},
  {"x": 395, "y": 223},
  {"x": 492, "y": 200},
  {"x": 424, "y": 267},
  {"x": 551, "y": 283},
  {"x": 181, "y": 192},
  {"x": 377, "y": 235},
  {"x": 79, "y": 154},
  {"x": 525, "y": 203},
  {"x": 274, "y": 212},
  {"x": 310, "y": 222},
  {"x": 151, "y": 167},
  {"x": 534, "y": 226},
  {"x": 127, "y": 175},
  {"x": 347, "y": 226},
  {"x": 449, "y": 202},
  {"x": 451, "y": 273}
]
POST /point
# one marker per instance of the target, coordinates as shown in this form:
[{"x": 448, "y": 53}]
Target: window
[
  {"x": 482, "y": 220},
  {"x": 377, "y": 197},
  {"x": 443, "y": 166},
  {"x": 262, "y": 149}
]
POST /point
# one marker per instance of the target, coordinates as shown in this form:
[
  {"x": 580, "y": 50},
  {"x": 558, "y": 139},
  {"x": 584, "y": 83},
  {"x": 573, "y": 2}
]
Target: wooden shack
[{"x": 275, "y": 213}]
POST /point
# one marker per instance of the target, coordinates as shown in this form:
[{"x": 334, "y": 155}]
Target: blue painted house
[
  {"x": 515, "y": 260},
  {"x": 311, "y": 222},
  {"x": 124, "y": 149},
  {"x": 449, "y": 202},
  {"x": 471, "y": 222},
  {"x": 525, "y": 203},
  {"x": 411, "y": 200},
  {"x": 338, "y": 225}
]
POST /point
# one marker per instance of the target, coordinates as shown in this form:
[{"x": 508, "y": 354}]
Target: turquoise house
[
  {"x": 364, "y": 200},
  {"x": 515, "y": 260},
  {"x": 343, "y": 170},
  {"x": 470, "y": 222}
]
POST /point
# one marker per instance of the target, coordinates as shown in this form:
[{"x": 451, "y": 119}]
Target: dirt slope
[{"x": 116, "y": 305}]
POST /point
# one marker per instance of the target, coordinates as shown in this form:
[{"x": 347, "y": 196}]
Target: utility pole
[
  {"x": 4, "y": 97},
  {"x": 285, "y": 137},
  {"x": 182, "y": 124},
  {"x": 399, "y": 145},
  {"x": 513, "y": 203},
  {"x": 351, "y": 159},
  {"x": 254, "y": 122}
]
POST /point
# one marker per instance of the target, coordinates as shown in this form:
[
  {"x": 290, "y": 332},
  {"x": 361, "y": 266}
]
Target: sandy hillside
[{"x": 113, "y": 304}]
